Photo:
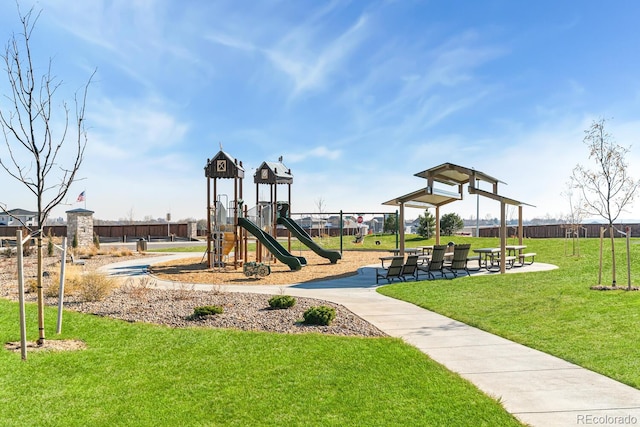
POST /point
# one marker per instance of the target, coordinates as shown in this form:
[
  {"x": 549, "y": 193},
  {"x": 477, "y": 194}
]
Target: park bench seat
[
  {"x": 523, "y": 257},
  {"x": 475, "y": 258},
  {"x": 509, "y": 262}
]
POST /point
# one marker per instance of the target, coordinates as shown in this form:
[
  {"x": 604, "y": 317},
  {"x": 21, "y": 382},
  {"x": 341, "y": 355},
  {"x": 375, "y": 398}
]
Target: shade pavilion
[{"x": 455, "y": 177}]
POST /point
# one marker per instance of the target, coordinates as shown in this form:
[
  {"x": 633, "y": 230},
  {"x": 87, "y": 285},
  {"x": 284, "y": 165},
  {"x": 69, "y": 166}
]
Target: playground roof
[
  {"x": 273, "y": 173},
  {"x": 223, "y": 165}
]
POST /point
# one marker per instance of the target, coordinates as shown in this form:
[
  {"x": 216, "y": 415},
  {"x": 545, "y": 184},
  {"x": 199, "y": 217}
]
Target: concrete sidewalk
[{"x": 539, "y": 389}]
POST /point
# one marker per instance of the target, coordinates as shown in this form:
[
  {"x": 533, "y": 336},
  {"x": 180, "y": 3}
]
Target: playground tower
[
  {"x": 272, "y": 174},
  {"x": 223, "y": 233}
]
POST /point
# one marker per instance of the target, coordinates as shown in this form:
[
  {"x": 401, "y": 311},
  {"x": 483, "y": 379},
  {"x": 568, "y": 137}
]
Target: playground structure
[
  {"x": 303, "y": 237},
  {"x": 228, "y": 224},
  {"x": 222, "y": 228}
]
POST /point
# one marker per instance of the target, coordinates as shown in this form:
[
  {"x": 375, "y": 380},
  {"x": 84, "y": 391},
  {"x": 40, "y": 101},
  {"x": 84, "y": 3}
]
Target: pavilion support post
[
  {"x": 503, "y": 236},
  {"x": 437, "y": 225},
  {"x": 401, "y": 228},
  {"x": 520, "y": 228}
]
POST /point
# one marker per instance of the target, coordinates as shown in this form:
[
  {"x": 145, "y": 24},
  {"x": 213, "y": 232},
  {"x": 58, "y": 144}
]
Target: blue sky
[{"x": 357, "y": 96}]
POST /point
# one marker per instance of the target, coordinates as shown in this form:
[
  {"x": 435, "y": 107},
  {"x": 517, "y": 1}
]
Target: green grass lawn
[
  {"x": 553, "y": 311},
  {"x": 137, "y": 374},
  {"x": 147, "y": 375}
]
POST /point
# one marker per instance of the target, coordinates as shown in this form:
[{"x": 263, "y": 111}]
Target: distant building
[{"x": 18, "y": 217}]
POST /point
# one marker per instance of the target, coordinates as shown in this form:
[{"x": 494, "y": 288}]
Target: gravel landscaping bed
[{"x": 139, "y": 301}]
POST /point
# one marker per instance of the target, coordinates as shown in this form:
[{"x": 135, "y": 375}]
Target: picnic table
[
  {"x": 426, "y": 250},
  {"x": 490, "y": 257},
  {"x": 487, "y": 256},
  {"x": 410, "y": 251},
  {"x": 512, "y": 249},
  {"x": 521, "y": 256}
]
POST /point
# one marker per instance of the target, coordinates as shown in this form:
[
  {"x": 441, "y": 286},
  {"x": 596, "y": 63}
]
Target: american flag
[{"x": 80, "y": 197}]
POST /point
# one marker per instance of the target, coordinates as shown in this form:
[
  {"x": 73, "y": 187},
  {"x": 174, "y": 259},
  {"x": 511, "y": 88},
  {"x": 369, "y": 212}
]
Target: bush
[
  {"x": 321, "y": 315},
  {"x": 282, "y": 301},
  {"x": 86, "y": 252},
  {"x": 120, "y": 252},
  {"x": 50, "y": 245},
  {"x": 95, "y": 286},
  {"x": 139, "y": 288},
  {"x": 207, "y": 310}
]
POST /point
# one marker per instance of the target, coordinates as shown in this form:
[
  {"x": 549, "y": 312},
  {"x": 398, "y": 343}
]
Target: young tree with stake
[
  {"x": 608, "y": 189},
  {"x": 45, "y": 163}
]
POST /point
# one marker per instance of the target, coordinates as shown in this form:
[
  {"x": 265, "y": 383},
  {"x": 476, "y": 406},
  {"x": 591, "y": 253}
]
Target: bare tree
[
  {"x": 573, "y": 220},
  {"x": 130, "y": 218},
  {"x": 44, "y": 163},
  {"x": 608, "y": 189},
  {"x": 320, "y": 206}
]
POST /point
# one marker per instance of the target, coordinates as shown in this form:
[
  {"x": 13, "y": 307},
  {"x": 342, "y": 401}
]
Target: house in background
[{"x": 18, "y": 217}]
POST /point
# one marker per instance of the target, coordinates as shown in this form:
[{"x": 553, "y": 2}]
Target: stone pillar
[{"x": 80, "y": 225}]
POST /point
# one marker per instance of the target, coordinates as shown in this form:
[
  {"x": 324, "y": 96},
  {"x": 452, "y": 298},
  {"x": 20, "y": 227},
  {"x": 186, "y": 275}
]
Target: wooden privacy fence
[
  {"x": 557, "y": 230},
  {"x": 118, "y": 233}
]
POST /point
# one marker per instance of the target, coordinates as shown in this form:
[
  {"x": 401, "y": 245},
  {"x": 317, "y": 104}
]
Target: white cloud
[
  {"x": 316, "y": 153},
  {"x": 311, "y": 63},
  {"x": 129, "y": 130},
  {"x": 230, "y": 41}
]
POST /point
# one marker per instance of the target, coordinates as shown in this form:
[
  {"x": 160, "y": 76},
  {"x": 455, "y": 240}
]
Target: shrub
[
  {"x": 282, "y": 301},
  {"x": 139, "y": 288},
  {"x": 321, "y": 315},
  {"x": 207, "y": 310},
  {"x": 51, "y": 285},
  {"x": 183, "y": 291},
  {"x": 120, "y": 252},
  {"x": 50, "y": 246},
  {"x": 31, "y": 286},
  {"x": 87, "y": 253},
  {"x": 95, "y": 286}
]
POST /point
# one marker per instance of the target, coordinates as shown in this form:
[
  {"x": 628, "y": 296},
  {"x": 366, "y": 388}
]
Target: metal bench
[
  {"x": 523, "y": 257},
  {"x": 508, "y": 260},
  {"x": 475, "y": 258}
]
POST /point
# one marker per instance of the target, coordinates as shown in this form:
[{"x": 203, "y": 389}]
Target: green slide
[
  {"x": 295, "y": 263},
  {"x": 304, "y": 237}
]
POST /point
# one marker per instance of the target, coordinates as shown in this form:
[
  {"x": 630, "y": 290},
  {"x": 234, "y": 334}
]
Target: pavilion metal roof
[
  {"x": 427, "y": 197},
  {"x": 453, "y": 176}
]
